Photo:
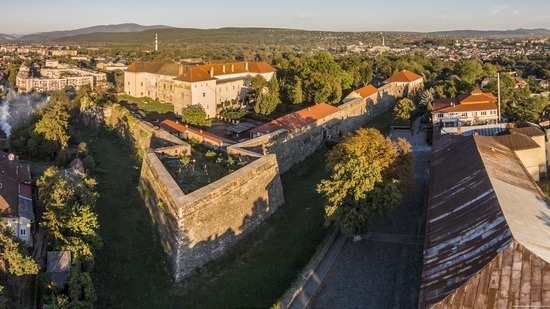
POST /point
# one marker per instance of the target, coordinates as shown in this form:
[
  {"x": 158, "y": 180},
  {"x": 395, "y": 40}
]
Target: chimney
[
  {"x": 246, "y": 66},
  {"x": 232, "y": 68},
  {"x": 223, "y": 68},
  {"x": 212, "y": 72},
  {"x": 459, "y": 131}
]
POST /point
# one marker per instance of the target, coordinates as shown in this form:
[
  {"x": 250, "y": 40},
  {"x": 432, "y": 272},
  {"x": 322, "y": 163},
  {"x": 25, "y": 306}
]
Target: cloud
[
  {"x": 497, "y": 9},
  {"x": 516, "y": 12}
]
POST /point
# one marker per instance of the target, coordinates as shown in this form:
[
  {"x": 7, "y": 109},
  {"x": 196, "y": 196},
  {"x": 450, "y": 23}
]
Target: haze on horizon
[{"x": 31, "y": 16}]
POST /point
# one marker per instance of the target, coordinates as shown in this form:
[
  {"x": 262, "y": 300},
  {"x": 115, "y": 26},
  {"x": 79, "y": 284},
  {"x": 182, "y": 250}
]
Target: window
[
  {"x": 204, "y": 94},
  {"x": 474, "y": 114},
  {"x": 142, "y": 93},
  {"x": 23, "y": 232},
  {"x": 439, "y": 115},
  {"x": 149, "y": 93},
  {"x": 464, "y": 114},
  {"x": 128, "y": 83},
  {"x": 484, "y": 113},
  {"x": 142, "y": 84}
]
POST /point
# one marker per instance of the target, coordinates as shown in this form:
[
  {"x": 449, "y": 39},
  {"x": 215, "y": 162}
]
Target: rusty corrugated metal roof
[{"x": 481, "y": 202}]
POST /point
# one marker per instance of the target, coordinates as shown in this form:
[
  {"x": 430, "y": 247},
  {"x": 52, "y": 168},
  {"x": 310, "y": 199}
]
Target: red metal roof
[{"x": 297, "y": 119}]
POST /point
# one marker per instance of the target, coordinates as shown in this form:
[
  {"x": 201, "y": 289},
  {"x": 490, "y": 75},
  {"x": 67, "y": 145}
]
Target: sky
[{"x": 31, "y": 16}]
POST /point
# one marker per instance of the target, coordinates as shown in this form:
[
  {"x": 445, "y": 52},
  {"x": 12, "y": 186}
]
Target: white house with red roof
[
  {"x": 475, "y": 108},
  {"x": 212, "y": 86},
  {"x": 412, "y": 81}
]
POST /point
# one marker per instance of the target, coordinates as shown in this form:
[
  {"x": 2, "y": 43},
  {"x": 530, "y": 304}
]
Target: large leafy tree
[
  {"x": 528, "y": 109},
  {"x": 323, "y": 79},
  {"x": 469, "y": 71},
  {"x": 195, "y": 115},
  {"x": 369, "y": 174},
  {"x": 54, "y": 125},
  {"x": 268, "y": 98},
  {"x": 403, "y": 111},
  {"x": 16, "y": 264},
  {"x": 69, "y": 218}
]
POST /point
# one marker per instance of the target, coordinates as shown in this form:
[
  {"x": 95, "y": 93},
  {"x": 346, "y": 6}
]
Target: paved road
[{"x": 383, "y": 269}]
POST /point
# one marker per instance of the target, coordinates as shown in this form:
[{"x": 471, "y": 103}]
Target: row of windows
[{"x": 473, "y": 114}]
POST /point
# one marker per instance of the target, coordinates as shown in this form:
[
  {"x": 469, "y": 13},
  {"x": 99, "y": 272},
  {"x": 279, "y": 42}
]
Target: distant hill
[
  {"x": 6, "y": 37},
  {"x": 222, "y": 35},
  {"x": 121, "y": 28},
  {"x": 494, "y": 33}
]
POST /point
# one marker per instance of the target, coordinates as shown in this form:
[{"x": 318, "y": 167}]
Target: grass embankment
[
  {"x": 130, "y": 271},
  {"x": 148, "y": 108}
]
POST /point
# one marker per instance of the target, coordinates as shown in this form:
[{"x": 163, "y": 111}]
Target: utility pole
[
  {"x": 156, "y": 42},
  {"x": 498, "y": 96}
]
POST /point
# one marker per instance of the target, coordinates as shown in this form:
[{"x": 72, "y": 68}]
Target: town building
[
  {"x": 211, "y": 86},
  {"x": 16, "y": 196},
  {"x": 475, "y": 108},
  {"x": 56, "y": 76},
  {"x": 413, "y": 82},
  {"x": 487, "y": 230}
]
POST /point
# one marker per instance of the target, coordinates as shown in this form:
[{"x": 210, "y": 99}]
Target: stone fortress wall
[
  {"x": 198, "y": 227},
  {"x": 201, "y": 226},
  {"x": 294, "y": 147}
]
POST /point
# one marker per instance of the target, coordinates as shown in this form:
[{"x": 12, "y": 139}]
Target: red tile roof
[
  {"x": 367, "y": 91},
  {"x": 260, "y": 67},
  {"x": 297, "y": 119},
  {"x": 403, "y": 77},
  {"x": 474, "y": 101}
]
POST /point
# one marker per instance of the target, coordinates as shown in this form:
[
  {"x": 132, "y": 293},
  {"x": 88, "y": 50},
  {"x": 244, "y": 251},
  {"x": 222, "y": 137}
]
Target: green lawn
[
  {"x": 150, "y": 109},
  {"x": 130, "y": 271}
]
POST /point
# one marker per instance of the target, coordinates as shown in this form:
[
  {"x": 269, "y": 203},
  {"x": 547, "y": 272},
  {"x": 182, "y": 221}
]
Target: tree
[
  {"x": 53, "y": 125},
  {"x": 69, "y": 218},
  {"x": 195, "y": 115},
  {"x": 468, "y": 70},
  {"x": 296, "y": 95},
  {"x": 323, "y": 79},
  {"x": 17, "y": 263},
  {"x": 403, "y": 111},
  {"x": 368, "y": 175},
  {"x": 268, "y": 99},
  {"x": 528, "y": 109}
]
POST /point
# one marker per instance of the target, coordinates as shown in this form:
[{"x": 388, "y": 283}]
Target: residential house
[
  {"x": 211, "y": 86},
  {"x": 475, "y": 108},
  {"x": 487, "y": 229},
  {"x": 16, "y": 196}
]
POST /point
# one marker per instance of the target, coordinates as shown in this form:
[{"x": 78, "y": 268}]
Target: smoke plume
[{"x": 16, "y": 108}]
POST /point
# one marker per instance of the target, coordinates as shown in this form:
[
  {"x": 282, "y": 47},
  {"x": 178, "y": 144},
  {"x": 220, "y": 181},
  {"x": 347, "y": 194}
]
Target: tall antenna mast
[
  {"x": 156, "y": 42},
  {"x": 383, "y": 42},
  {"x": 498, "y": 96}
]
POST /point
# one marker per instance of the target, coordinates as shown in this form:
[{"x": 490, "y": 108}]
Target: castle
[{"x": 211, "y": 86}]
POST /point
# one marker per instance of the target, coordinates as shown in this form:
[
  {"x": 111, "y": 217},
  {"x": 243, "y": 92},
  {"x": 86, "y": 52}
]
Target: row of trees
[
  {"x": 70, "y": 224},
  {"x": 368, "y": 176}
]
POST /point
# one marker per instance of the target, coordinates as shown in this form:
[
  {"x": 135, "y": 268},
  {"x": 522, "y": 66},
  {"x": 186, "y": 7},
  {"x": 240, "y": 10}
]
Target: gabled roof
[
  {"x": 474, "y": 101},
  {"x": 482, "y": 202},
  {"x": 146, "y": 67},
  {"x": 529, "y": 131},
  {"x": 403, "y": 77},
  {"x": 15, "y": 179},
  {"x": 194, "y": 75},
  {"x": 260, "y": 67},
  {"x": 59, "y": 265},
  {"x": 366, "y": 91},
  {"x": 297, "y": 119},
  {"x": 517, "y": 141}
]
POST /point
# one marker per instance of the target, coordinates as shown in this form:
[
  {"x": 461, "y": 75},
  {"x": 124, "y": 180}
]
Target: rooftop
[
  {"x": 403, "y": 77},
  {"x": 296, "y": 120},
  {"x": 483, "y": 208}
]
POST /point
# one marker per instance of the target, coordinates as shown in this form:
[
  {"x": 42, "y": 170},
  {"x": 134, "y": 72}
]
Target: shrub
[{"x": 195, "y": 116}]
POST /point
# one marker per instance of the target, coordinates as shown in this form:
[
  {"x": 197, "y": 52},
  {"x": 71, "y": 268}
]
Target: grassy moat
[{"x": 130, "y": 270}]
